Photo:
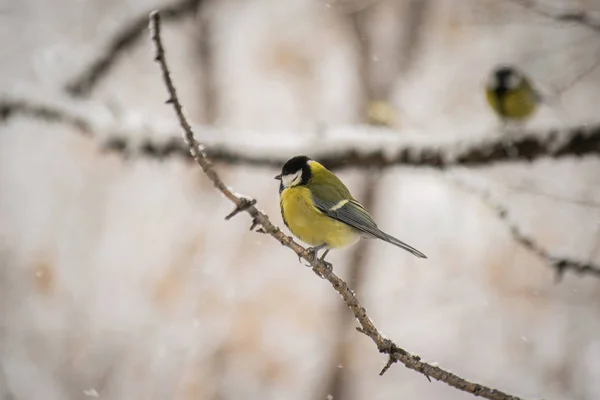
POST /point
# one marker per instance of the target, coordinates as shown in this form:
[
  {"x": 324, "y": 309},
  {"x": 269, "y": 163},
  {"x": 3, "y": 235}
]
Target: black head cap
[
  {"x": 507, "y": 77},
  {"x": 505, "y": 70},
  {"x": 294, "y": 165}
]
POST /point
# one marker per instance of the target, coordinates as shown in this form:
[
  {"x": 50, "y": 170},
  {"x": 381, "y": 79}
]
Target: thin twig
[
  {"x": 120, "y": 43},
  {"x": 578, "y": 17},
  {"x": 384, "y": 345},
  {"x": 574, "y": 80},
  {"x": 11, "y": 108},
  {"x": 531, "y": 191},
  {"x": 560, "y": 264},
  {"x": 578, "y": 141}
]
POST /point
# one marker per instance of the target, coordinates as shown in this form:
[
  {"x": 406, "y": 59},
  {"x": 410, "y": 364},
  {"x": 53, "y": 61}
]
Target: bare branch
[
  {"x": 122, "y": 41},
  {"x": 579, "y": 17},
  {"x": 384, "y": 345},
  {"x": 11, "y": 108},
  {"x": 560, "y": 264},
  {"x": 527, "y": 189},
  {"x": 414, "y": 30},
  {"x": 557, "y": 91}
]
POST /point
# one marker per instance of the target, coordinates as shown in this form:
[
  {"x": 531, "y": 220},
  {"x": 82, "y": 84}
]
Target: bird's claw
[
  {"x": 313, "y": 252},
  {"x": 315, "y": 261}
]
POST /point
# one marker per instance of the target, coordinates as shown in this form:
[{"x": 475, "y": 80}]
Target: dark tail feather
[{"x": 390, "y": 239}]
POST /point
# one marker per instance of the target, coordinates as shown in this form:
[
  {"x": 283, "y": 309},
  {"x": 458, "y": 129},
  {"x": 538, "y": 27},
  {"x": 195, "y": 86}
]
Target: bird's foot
[
  {"x": 315, "y": 261},
  {"x": 313, "y": 251}
]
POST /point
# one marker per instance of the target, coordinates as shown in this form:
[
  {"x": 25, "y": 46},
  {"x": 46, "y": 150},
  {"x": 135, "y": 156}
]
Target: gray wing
[
  {"x": 354, "y": 214},
  {"x": 349, "y": 212}
]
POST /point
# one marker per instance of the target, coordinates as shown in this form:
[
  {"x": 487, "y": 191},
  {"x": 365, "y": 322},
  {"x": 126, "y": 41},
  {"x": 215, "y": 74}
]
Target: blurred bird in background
[{"x": 511, "y": 95}]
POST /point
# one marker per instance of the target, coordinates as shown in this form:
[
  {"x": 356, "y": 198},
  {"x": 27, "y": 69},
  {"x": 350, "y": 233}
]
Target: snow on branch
[
  {"x": 122, "y": 41},
  {"x": 579, "y": 17},
  {"x": 344, "y": 147},
  {"x": 384, "y": 345}
]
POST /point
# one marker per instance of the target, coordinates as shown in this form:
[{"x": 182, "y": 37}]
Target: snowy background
[{"x": 119, "y": 278}]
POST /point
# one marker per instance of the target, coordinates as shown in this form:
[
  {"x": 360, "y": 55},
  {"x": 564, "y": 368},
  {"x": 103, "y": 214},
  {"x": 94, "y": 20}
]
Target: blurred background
[{"x": 119, "y": 278}]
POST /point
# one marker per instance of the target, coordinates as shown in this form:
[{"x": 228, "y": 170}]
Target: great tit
[
  {"x": 511, "y": 95},
  {"x": 319, "y": 209}
]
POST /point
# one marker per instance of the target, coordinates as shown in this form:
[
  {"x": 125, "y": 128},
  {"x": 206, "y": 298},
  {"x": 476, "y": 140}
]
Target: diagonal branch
[
  {"x": 122, "y": 41},
  {"x": 367, "y": 150},
  {"x": 561, "y": 264},
  {"x": 384, "y": 345},
  {"x": 579, "y": 17}
]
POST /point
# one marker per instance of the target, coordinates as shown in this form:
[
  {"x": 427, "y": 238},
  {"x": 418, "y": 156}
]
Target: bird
[
  {"x": 320, "y": 210},
  {"x": 511, "y": 94}
]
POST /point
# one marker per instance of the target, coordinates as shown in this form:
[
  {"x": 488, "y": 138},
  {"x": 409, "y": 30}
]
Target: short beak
[{"x": 278, "y": 177}]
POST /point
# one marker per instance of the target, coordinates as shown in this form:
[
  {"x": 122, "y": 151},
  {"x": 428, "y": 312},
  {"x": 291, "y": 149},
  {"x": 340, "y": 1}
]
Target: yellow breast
[{"x": 309, "y": 224}]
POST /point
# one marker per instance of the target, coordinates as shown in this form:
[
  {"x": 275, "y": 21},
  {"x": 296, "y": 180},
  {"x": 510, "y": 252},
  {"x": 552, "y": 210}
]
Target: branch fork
[{"x": 243, "y": 205}]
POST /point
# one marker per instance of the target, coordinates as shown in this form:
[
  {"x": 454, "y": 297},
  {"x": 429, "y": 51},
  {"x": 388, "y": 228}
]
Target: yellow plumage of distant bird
[
  {"x": 511, "y": 95},
  {"x": 319, "y": 209},
  {"x": 382, "y": 113}
]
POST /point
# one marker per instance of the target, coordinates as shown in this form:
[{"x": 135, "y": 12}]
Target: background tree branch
[
  {"x": 205, "y": 53},
  {"x": 579, "y": 17},
  {"x": 365, "y": 151},
  {"x": 384, "y": 345},
  {"x": 119, "y": 44},
  {"x": 560, "y": 264},
  {"x": 10, "y": 108}
]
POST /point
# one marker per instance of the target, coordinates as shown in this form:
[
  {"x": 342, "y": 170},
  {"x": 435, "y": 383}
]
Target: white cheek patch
[
  {"x": 513, "y": 81},
  {"x": 292, "y": 179}
]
